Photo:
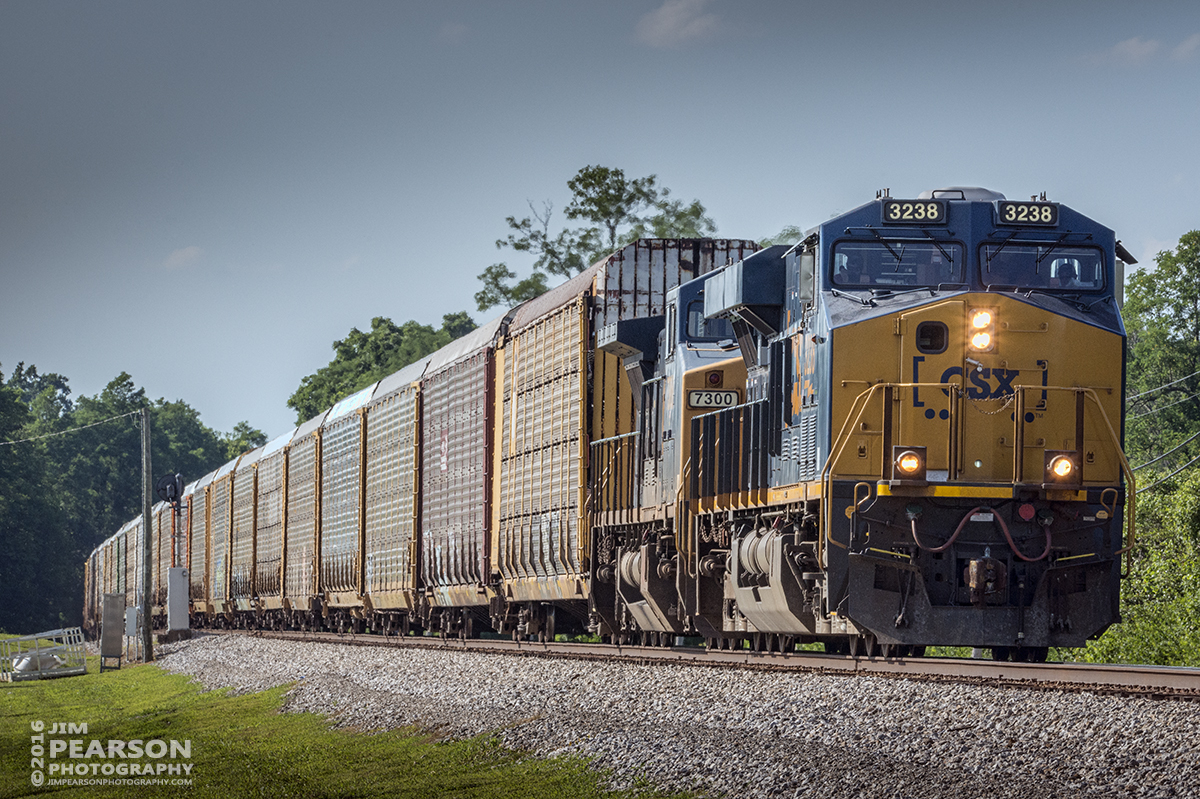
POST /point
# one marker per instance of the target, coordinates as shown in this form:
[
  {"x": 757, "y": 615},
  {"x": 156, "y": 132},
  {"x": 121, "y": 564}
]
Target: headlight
[
  {"x": 908, "y": 463},
  {"x": 1062, "y": 468},
  {"x": 981, "y": 322}
]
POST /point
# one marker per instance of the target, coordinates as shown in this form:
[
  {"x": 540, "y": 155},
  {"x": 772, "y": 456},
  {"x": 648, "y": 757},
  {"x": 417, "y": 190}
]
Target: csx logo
[
  {"x": 981, "y": 381},
  {"x": 985, "y": 383}
]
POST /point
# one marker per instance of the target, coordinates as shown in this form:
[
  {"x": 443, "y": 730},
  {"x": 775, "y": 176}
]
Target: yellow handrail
[
  {"x": 823, "y": 533},
  {"x": 858, "y": 407}
]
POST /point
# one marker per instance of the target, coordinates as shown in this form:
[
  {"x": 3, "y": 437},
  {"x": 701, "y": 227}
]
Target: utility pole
[{"x": 147, "y": 537}]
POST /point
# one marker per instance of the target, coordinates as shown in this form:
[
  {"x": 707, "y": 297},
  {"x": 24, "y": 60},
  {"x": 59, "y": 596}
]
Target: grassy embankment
[{"x": 243, "y": 746}]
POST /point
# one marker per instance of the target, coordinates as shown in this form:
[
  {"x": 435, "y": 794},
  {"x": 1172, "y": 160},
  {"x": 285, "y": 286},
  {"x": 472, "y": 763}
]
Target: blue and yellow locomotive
[{"x": 905, "y": 430}]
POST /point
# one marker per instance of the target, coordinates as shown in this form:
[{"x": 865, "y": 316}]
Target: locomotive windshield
[
  {"x": 1042, "y": 266},
  {"x": 699, "y": 328},
  {"x": 897, "y": 263}
]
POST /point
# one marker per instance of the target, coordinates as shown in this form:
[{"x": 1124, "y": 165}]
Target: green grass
[{"x": 243, "y": 746}]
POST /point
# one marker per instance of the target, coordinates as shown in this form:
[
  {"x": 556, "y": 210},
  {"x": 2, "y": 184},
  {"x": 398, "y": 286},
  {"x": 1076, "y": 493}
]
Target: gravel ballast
[{"x": 731, "y": 731}]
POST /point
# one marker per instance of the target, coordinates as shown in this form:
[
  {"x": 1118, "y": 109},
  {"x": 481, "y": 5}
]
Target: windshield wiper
[
  {"x": 848, "y": 296},
  {"x": 899, "y": 256},
  {"x": 1037, "y": 266},
  {"x": 938, "y": 244},
  {"x": 1069, "y": 299},
  {"x": 880, "y": 293},
  {"x": 1003, "y": 244}
]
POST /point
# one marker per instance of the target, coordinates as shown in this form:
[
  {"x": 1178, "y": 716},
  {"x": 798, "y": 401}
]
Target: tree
[
  {"x": 497, "y": 291},
  {"x": 610, "y": 201},
  {"x": 1162, "y": 318},
  {"x": 674, "y": 220},
  {"x": 789, "y": 235},
  {"x": 606, "y": 198},
  {"x": 78, "y": 482},
  {"x": 243, "y": 439},
  {"x": 1161, "y": 601},
  {"x": 362, "y": 358},
  {"x": 566, "y": 254},
  {"x": 38, "y": 559}
]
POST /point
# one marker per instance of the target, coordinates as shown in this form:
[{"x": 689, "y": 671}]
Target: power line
[
  {"x": 1168, "y": 452},
  {"x": 1164, "y": 407},
  {"x": 1157, "y": 483},
  {"x": 72, "y": 430},
  {"x": 1160, "y": 388}
]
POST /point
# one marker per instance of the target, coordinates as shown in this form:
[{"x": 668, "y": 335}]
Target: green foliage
[
  {"x": 33, "y": 531},
  {"x": 789, "y": 235},
  {"x": 565, "y": 254},
  {"x": 674, "y": 220},
  {"x": 243, "y": 439},
  {"x": 362, "y": 358},
  {"x": 609, "y": 201},
  {"x": 1160, "y": 603},
  {"x": 497, "y": 290},
  {"x": 1162, "y": 316},
  {"x": 244, "y": 746},
  {"x": 605, "y": 197},
  {"x": 74, "y": 486}
]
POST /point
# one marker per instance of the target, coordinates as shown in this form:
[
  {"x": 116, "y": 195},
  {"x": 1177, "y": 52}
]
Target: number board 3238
[
  {"x": 914, "y": 212},
  {"x": 1016, "y": 213}
]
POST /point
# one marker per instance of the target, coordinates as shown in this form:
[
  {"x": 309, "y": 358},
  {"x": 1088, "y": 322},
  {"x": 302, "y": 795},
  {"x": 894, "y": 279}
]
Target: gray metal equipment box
[
  {"x": 177, "y": 599},
  {"x": 112, "y": 629}
]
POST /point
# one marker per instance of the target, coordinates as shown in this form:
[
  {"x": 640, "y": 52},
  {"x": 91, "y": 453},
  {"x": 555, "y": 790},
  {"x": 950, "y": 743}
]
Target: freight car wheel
[{"x": 1001, "y": 653}]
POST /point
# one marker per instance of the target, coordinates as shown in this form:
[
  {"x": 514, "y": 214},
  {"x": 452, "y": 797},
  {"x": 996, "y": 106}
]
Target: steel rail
[{"x": 1154, "y": 682}]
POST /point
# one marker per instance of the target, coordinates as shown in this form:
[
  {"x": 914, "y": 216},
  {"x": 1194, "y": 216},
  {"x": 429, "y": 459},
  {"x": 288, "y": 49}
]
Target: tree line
[{"x": 70, "y": 476}]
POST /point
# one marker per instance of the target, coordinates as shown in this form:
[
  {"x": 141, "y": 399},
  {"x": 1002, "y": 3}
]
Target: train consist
[{"x": 904, "y": 430}]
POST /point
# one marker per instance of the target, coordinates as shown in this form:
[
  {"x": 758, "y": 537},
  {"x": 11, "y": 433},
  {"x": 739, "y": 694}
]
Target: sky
[{"x": 207, "y": 195}]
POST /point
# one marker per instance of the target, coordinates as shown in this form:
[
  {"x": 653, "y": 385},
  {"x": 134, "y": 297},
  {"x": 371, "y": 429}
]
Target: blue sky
[{"x": 207, "y": 195}]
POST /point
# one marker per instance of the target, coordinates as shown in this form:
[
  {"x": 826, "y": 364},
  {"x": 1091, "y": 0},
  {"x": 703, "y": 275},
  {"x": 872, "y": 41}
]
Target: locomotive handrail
[
  {"x": 613, "y": 444},
  {"x": 1126, "y": 469},
  {"x": 1131, "y": 494},
  {"x": 849, "y": 424},
  {"x": 852, "y": 419}
]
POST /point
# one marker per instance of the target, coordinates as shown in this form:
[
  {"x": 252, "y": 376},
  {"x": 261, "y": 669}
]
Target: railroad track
[{"x": 1153, "y": 682}]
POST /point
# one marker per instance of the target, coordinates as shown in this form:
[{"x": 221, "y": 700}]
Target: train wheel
[
  {"x": 1001, "y": 653},
  {"x": 1031, "y": 654}
]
